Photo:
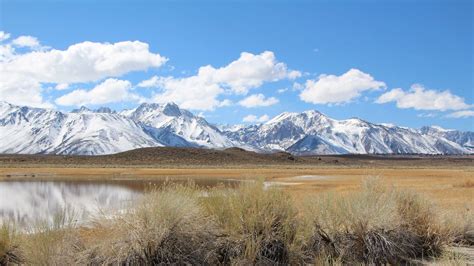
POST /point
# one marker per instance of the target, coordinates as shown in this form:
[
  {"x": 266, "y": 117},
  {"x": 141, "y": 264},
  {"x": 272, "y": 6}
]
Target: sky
[{"x": 408, "y": 63}]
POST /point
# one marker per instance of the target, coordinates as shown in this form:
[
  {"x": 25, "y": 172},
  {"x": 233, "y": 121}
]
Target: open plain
[{"x": 448, "y": 180}]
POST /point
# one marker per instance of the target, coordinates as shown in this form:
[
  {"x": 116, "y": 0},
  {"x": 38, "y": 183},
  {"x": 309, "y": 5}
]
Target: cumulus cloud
[
  {"x": 201, "y": 91},
  {"x": 26, "y": 41},
  {"x": 282, "y": 90},
  {"x": 190, "y": 93},
  {"x": 22, "y": 74},
  {"x": 255, "y": 119},
  {"x": 249, "y": 71},
  {"x": 225, "y": 102},
  {"x": 84, "y": 62},
  {"x": 258, "y": 100},
  {"x": 461, "y": 114},
  {"x": 109, "y": 91},
  {"x": 4, "y": 36},
  {"x": 331, "y": 89},
  {"x": 427, "y": 115},
  {"x": 152, "y": 82},
  {"x": 62, "y": 86},
  {"x": 21, "y": 91},
  {"x": 420, "y": 98}
]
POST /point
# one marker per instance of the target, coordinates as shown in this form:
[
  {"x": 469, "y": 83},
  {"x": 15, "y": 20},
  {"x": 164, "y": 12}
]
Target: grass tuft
[
  {"x": 167, "y": 226},
  {"x": 258, "y": 225},
  {"x": 9, "y": 245},
  {"x": 378, "y": 224},
  {"x": 53, "y": 242}
]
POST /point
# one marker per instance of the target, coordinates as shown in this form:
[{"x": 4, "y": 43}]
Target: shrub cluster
[{"x": 182, "y": 224}]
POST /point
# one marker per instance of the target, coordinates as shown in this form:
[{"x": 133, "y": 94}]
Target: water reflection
[{"x": 28, "y": 201}]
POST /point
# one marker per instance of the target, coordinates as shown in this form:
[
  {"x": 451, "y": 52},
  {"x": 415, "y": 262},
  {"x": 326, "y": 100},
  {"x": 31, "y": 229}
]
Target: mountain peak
[
  {"x": 82, "y": 109},
  {"x": 313, "y": 113},
  {"x": 438, "y": 128},
  {"x": 171, "y": 109},
  {"x": 5, "y": 104},
  {"x": 105, "y": 110}
]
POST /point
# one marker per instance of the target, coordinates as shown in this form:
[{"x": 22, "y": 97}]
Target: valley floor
[
  {"x": 447, "y": 181},
  {"x": 451, "y": 187}
]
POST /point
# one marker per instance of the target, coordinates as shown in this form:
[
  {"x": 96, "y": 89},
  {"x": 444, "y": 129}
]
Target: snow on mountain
[
  {"x": 28, "y": 130},
  {"x": 230, "y": 128},
  {"x": 191, "y": 128},
  {"x": 36, "y": 130},
  {"x": 100, "y": 133},
  {"x": 464, "y": 139},
  {"x": 312, "y": 132},
  {"x": 104, "y": 131}
]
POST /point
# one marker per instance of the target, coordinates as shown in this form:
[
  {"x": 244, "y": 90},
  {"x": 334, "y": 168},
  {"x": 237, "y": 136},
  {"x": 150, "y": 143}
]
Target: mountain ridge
[{"x": 29, "y": 130}]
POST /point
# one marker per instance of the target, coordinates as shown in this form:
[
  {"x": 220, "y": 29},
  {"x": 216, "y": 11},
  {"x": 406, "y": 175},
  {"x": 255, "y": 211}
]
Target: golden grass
[
  {"x": 51, "y": 242},
  {"x": 465, "y": 184},
  {"x": 167, "y": 226},
  {"x": 260, "y": 226},
  {"x": 9, "y": 245},
  {"x": 182, "y": 224}
]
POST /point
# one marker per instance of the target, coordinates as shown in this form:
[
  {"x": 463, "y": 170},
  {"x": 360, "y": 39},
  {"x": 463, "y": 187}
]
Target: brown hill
[{"x": 232, "y": 157}]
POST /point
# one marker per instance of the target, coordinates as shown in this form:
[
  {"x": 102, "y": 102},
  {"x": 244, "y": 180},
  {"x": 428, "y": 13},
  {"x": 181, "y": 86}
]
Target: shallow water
[{"x": 26, "y": 202}]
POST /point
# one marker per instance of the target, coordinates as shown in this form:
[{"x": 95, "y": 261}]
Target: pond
[{"x": 27, "y": 202}]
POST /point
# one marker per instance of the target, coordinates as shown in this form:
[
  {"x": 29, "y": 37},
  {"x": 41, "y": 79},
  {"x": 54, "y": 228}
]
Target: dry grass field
[
  {"x": 448, "y": 186},
  {"x": 252, "y": 225},
  {"x": 420, "y": 204}
]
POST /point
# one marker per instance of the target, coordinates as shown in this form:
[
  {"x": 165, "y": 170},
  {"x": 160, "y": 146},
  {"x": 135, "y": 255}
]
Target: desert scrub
[
  {"x": 257, "y": 225},
  {"x": 9, "y": 245},
  {"x": 181, "y": 224},
  {"x": 54, "y": 242},
  {"x": 422, "y": 219},
  {"x": 460, "y": 224},
  {"x": 377, "y": 224},
  {"x": 166, "y": 226}
]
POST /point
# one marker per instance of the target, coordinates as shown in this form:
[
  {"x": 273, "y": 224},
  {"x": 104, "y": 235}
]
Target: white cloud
[
  {"x": 21, "y": 90},
  {"x": 420, "y": 98},
  {"x": 427, "y": 115},
  {"x": 225, "y": 102},
  {"x": 84, "y": 62},
  {"x": 461, "y": 114},
  {"x": 26, "y": 41},
  {"x": 190, "y": 93},
  {"x": 249, "y": 71},
  {"x": 62, "y": 86},
  {"x": 282, "y": 90},
  {"x": 254, "y": 118},
  {"x": 152, "y": 82},
  {"x": 297, "y": 86},
  {"x": 4, "y": 36},
  {"x": 6, "y": 52},
  {"x": 109, "y": 91},
  {"x": 331, "y": 89},
  {"x": 22, "y": 74},
  {"x": 200, "y": 92},
  {"x": 258, "y": 100}
]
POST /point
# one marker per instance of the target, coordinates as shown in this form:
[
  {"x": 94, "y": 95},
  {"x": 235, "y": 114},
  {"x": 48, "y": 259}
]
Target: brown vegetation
[{"x": 252, "y": 224}]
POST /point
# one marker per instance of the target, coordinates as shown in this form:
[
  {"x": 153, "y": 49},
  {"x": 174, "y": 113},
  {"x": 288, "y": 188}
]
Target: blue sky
[{"x": 405, "y": 55}]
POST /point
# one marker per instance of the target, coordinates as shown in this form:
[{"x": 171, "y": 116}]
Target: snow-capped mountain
[
  {"x": 37, "y": 130},
  {"x": 312, "y": 132},
  {"x": 465, "y": 139},
  {"x": 104, "y": 131},
  {"x": 174, "y": 120}
]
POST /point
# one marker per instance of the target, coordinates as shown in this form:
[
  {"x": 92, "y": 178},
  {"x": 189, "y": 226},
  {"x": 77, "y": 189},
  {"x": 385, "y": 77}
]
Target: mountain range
[{"x": 83, "y": 131}]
